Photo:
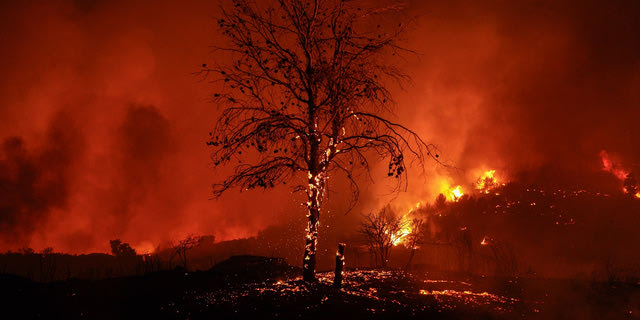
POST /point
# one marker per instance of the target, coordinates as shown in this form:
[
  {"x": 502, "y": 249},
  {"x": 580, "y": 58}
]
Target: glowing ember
[
  {"x": 383, "y": 290},
  {"x": 469, "y": 296},
  {"x": 485, "y": 241}
]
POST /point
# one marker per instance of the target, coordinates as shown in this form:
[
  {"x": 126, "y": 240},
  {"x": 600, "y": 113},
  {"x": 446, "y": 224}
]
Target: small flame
[
  {"x": 485, "y": 241},
  {"x": 400, "y": 237},
  {"x": 417, "y": 206},
  {"x": 487, "y": 181},
  {"x": 456, "y": 193},
  {"x": 630, "y": 183},
  {"x": 612, "y": 168}
]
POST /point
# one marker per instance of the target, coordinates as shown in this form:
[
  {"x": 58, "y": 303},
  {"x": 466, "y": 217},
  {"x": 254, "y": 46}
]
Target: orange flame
[
  {"x": 401, "y": 236},
  {"x": 487, "y": 181},
  {"x": 455, "y": 193}
]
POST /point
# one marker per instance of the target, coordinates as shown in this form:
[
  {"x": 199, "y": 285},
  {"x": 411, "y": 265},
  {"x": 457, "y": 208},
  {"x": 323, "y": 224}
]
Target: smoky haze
[{"x": 104, "y": 125}]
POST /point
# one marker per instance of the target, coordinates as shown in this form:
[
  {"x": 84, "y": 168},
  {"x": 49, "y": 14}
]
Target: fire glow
[
  {"x": 452, "y": 193},
  {"x": 406, "y": 229},
  {"x": 609, "y": 166},
  {"x": 487, "y": 182},
  {"x": 400, "y": 236},
  {"x": 630, "y": 186}
]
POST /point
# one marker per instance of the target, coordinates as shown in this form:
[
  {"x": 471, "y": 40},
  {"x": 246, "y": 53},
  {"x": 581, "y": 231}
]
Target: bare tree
[
  {"x": 503, "y": 255},
  {"x": 47, "y": 265},
  {"x": 304, "y": 96},
  {"x": 381, "y": 231},
  {"x": 183, "y": 246}
]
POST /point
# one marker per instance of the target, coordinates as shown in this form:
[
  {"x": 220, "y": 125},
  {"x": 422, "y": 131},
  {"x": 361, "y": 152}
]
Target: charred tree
[
  {"x": 304, "y": 95},
  {"x": 337, "y": 279},
  {"x": 47, "y": 265},
  {"x": 183, "y": 247},
  {"x": 380, "y": 230}
]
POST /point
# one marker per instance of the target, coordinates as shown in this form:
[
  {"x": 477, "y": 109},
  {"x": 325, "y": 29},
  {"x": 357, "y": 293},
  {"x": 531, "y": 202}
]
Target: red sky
[{"x": 104, "y": 125}]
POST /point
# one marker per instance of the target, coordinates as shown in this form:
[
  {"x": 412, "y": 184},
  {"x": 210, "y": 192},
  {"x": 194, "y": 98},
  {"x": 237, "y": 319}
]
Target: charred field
[{"x": 259, "y": 290}]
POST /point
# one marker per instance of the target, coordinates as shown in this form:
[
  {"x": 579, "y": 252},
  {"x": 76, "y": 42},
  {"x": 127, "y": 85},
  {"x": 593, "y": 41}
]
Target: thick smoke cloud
[
  {"x": 520, "y": 86},
  {"x": 144, "y": 142},
  {"x": 36, "y": 180},
  {"x": 111, "y": 124}
]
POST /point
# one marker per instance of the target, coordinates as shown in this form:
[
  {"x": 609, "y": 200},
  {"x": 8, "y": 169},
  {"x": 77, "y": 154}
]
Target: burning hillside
[{"x": 506, "y": 227}]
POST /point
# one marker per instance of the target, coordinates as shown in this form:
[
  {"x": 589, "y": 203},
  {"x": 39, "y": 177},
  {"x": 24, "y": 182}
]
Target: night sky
[{"x": 103, "y": 122}]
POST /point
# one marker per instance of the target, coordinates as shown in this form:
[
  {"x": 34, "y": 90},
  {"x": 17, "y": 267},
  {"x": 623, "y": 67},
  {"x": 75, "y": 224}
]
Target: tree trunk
[
  {"x": 337, "y": 279},
  {"x": 413, "y": 251},
  {"x": 374, "y": 255},
  {"x": 385, "y": 257},
  {"x": 313, "y": 206}
]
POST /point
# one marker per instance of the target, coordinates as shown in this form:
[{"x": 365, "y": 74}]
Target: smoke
[
  {"x": 37, "y": 180},
  {"x": 526, "y": 87},
  {"x": 144, "y": 141}
]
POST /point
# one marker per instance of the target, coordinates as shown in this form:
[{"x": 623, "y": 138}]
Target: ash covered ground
[{"x": 249, "y": 287}]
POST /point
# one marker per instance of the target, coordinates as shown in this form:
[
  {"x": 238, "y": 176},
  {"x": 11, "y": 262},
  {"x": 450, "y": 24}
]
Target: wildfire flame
[
  {"x": 400, "y": 236},
  {"x": 487, "y": 181},
  {"x": 455, "y": 193}
]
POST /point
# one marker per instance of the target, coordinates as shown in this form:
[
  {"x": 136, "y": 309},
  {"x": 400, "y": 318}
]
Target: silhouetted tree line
[{"x": 48, "y": 265}]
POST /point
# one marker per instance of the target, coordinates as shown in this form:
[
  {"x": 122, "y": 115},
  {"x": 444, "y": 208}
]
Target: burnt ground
[{"x": 251, "y": 287}]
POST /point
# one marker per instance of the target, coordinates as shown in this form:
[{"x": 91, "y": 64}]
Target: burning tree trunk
[
  {"x": 313, "y": 206},
  {"x": 337, "y": 279}
]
